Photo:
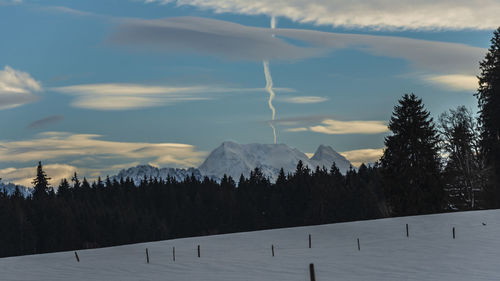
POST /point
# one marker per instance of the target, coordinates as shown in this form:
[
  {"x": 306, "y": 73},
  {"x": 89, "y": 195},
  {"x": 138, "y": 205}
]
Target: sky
[{"x": 97, "y": 86}]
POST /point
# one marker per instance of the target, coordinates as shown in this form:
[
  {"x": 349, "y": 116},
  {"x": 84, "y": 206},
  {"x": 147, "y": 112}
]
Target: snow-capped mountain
[
  {"x": 138, "y": 173},
  {"x": 325, "y": 156},
  {"x": 234, "y": 159},
  {"x": 10, "y": 188}
]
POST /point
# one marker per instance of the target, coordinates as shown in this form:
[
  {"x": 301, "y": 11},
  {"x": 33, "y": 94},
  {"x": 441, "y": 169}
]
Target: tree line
[
  {"x": 115, "y": 212},
  {"x": 428, "y": 166}
]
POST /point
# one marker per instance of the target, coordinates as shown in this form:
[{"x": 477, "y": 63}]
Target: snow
[
  {"x": 10, "y": 188},
  {"x": 235, "y": 159},
  {"x": 137, "y": 173},
  {"x": 325, "y": 156},
  {"x": 430, "y": 253}
]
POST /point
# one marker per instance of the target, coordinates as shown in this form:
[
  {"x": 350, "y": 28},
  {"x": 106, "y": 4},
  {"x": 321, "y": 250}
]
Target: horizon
[{"x": 98, "y": 87}]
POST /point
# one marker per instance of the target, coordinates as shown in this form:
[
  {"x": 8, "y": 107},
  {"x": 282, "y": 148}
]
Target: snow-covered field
[{"x": 430, "y": 253}]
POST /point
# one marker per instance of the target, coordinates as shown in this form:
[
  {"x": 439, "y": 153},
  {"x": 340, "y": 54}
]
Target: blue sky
[{"x": 96, "y": 86}]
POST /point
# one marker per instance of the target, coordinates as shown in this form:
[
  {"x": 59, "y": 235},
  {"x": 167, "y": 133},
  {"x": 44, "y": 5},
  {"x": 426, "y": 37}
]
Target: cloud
[
  {"x": 24, "y": 176},
  {"x": 207, "y": 36},
  {"x": 425, "y": 55},
  {"x": 119, "y": 96},
  {"x": 301, "y": 120},
  {"x": 305, "y": 99},
  {"x": 235, "y": 41},
  {"x": 17, "y": 88},
  {"x": 295, "y": 130},
  {"x": 359, "y": 156},
  {"x": 373, "y": 14},
  {"x": 333, "y": 127},
  {"x": 70, "y": 11},
  {"x": 45, "y": 121},
  {"x": 455, "y": 82},
  {"x": 336, "y": 127},
  {"x": 56, "y": 146}
]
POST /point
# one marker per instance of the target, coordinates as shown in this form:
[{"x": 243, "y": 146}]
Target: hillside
[{"x": 430, "y": 253}]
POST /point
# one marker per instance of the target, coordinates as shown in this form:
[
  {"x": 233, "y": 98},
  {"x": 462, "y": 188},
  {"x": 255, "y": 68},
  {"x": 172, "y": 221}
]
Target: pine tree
[
  {"x": 281, "y": 178},
  {"x": 40, "y": 183},
  {"x": 488, "y": 96},
  {"x": 76, "y": 181},
  {"x": 227, "y": 182},
  {"x": 410, "y": 164},
  {"x": 63, "y": 188}
]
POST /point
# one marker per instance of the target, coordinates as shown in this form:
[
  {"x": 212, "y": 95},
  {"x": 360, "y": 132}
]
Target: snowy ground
[{"x": 430, "y": 253}]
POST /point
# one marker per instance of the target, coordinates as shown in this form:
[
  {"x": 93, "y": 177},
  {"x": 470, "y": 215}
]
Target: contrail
[
  {"x": 269, "y": 89},
  {"x": 269, "y": 85}
]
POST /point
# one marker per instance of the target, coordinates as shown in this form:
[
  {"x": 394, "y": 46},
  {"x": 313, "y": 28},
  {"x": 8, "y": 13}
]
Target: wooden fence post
[
  {"x": 199, "y": 251},
  {"x": 147, "y": 255},
  {"x": 311, "y": 272},
  {"x": 272, "y": 250},
  {"x": 310, "y": 241},
  {"x": 173, "y": 253},
  {"x": 76, "y": 256},
  {"x": 407, "y": 233},
  {"x": 359, "y": 247}
]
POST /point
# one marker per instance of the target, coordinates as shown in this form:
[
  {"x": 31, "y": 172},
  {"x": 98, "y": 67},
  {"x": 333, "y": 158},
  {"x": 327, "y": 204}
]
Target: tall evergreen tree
[
  {"x": 410, "y": 164},
  {"x": 40, "y": 183},
  {"x": 488, "y": 96},
  {"x": 76, "y": 181},
  {"x": 63, "y": 188}
]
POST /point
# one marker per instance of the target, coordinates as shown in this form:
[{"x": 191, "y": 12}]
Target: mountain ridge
[
  {"x": 232, "y": 159},
  {"x": 235, "y": 159}
]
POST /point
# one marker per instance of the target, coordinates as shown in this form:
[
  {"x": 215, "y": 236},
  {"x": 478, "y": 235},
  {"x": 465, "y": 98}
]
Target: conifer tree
[
  {"x": 227, "y": 182},
  {"x": 488, "y": 96},
  {"x": 63, "y": 188},
  {"x": 410, "y": 164},
  {"x": 40, "y": 183},
  {"x": 76, "y": 181},
  {"x": 281, "y": 178}
]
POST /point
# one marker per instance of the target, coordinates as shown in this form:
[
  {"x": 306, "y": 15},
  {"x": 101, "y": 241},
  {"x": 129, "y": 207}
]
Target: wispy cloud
[
  {"x": 304, "y": 99},
  {"x": 359, "y": 156},
  {"x": 456, "y": 82},
  {"x": 295, "y": 130},
  {"x": 334, "y": 127},
  {"x": 119, "y": 96},
  {"x": 59, "y": 146},
  {"x": 235, "y": 41},
  {"x": 424, "y": 55},
  {"x": 207, "y": 36},
  {"x": 374, "y": 14},
  {"x": 70, "y": 11},
  {"x": 302, "y": 120},
  {"x": 17, "y": 88},
  {"x": 38, "y": 124}
]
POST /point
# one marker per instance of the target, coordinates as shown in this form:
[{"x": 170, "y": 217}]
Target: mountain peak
[
  {"x": 325, "y": 156},
  {"x": 234, "y": 159},
  {"x": 324, "y": 149}
]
